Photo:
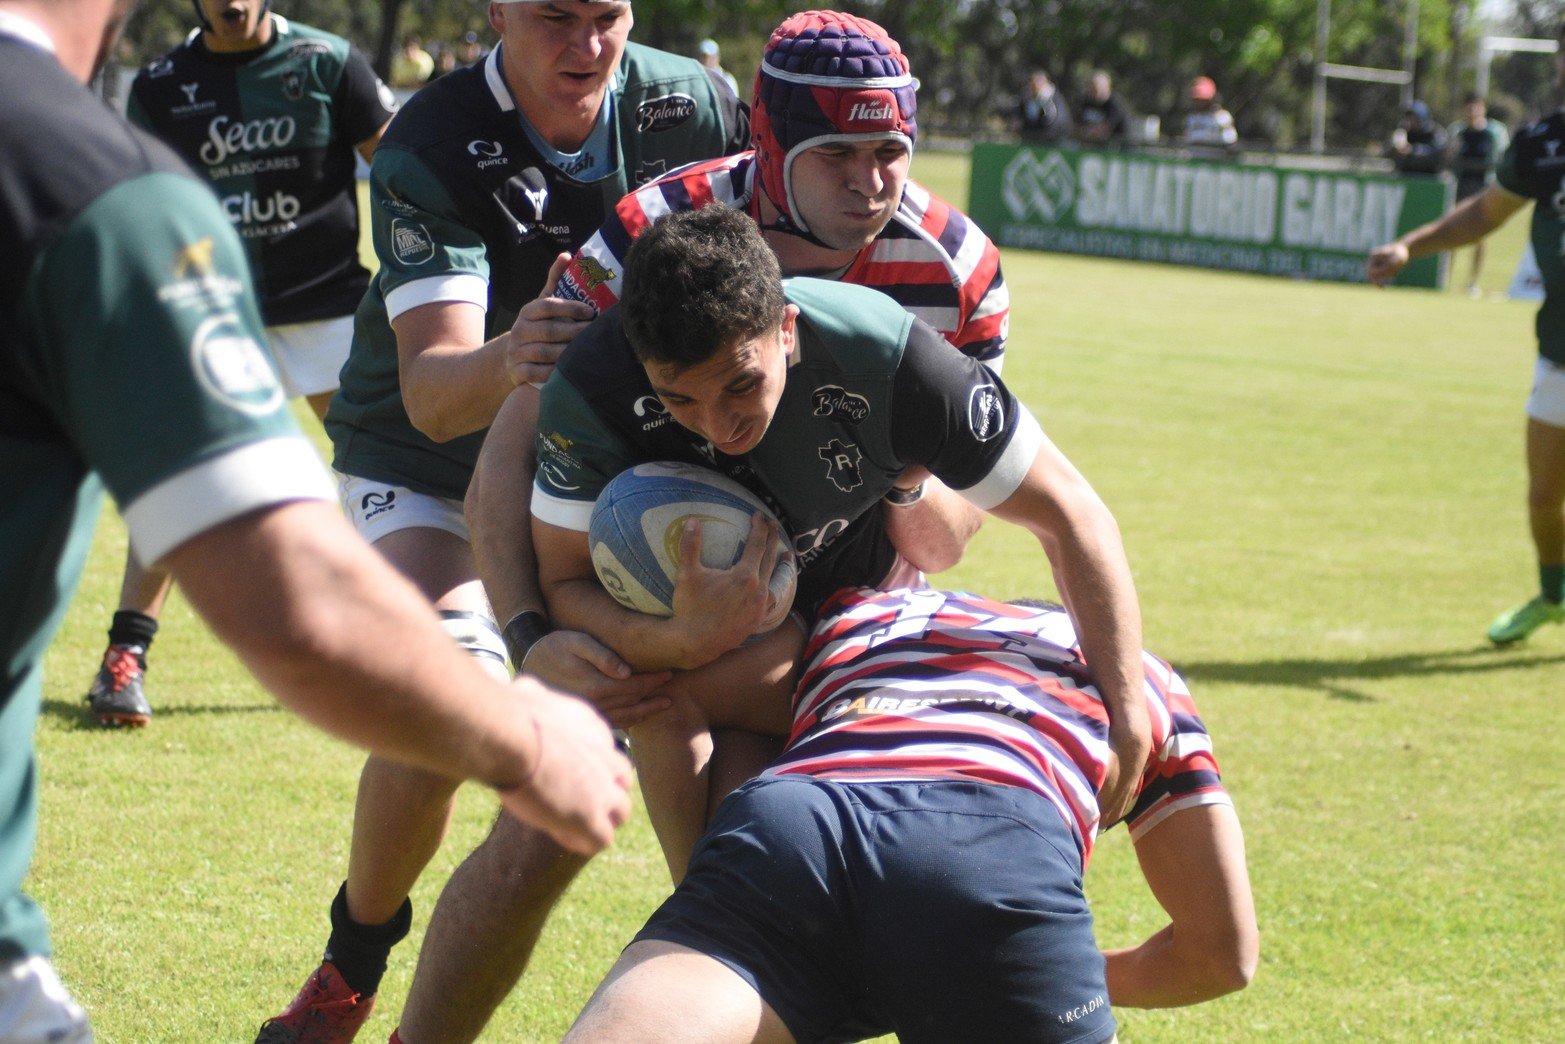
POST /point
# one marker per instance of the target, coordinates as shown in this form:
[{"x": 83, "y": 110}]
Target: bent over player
[
  {"x": 271, "y": 113},
  {"x": 912, "y": 863}
]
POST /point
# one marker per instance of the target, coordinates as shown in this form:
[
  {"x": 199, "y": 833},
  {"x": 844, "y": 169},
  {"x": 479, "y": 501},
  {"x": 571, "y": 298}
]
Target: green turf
[{"x": 1322, "y": 494}]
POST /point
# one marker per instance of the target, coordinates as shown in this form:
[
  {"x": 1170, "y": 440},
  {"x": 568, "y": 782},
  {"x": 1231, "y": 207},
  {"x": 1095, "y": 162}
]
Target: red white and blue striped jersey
[
  {"x": 930, "y": 258},
  {"x": 927, "y": 684}
]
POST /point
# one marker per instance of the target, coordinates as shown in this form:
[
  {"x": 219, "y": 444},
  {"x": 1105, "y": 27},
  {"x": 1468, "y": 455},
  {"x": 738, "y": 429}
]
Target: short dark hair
[
  {"x": 697, "y": 282},
  {"x": 1470, "y": 97}
]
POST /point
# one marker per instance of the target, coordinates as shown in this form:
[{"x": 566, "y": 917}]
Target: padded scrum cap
[{"x": 826, "y": 76}]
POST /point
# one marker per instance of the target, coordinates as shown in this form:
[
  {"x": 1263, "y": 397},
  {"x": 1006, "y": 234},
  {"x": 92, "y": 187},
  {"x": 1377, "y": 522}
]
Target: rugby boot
[
  {"x": 326, "y": 1011},
  {"x": 116, "y": 695},
  {"x": 1515, "y": 624}
]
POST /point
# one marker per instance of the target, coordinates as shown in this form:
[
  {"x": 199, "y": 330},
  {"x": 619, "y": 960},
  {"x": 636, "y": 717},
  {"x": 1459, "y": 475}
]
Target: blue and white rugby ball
[{"x": 636, "y": 525}]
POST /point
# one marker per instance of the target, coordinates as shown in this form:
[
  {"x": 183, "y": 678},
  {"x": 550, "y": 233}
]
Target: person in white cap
[{"x": 709, "y": 55}]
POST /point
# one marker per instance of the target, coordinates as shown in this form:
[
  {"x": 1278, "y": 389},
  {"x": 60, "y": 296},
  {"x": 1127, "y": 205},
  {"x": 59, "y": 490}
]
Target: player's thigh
[
  {"x": 979, "y": 929},
  {"x": 424, "y": 537},
  {"x": 663, "y": 993}
]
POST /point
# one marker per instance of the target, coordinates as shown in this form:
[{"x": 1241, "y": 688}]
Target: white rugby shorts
[
  {"x": 1546, "y": 404},
  {"x": 378, "y": 509},
  {"x": 309, "y": 356}
]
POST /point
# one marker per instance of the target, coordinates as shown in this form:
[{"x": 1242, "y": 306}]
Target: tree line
[{"x": 973, "y": 56}]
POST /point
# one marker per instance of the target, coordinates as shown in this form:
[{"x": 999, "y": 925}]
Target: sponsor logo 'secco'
[
  {"x": 226, "y": 137},
  {"x": 248, "y": 208},
  {"x": 665, "y": 113}
]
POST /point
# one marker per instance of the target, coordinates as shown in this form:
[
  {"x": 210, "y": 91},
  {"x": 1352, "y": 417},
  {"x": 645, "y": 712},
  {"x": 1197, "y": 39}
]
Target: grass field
[{"x": 1322, "y": 494}]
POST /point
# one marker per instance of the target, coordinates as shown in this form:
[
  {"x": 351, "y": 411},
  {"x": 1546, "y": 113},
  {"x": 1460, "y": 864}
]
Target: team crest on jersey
[
  {"x": 593, "y": 273},
  {"x": 190, "y": 90},
  {"x": 829, "y": 400},
  {"x": 410, "y": 242},
  {"x": 649, "y": 170},
  {"x": 842, "y": 464},
  {"x": 232, "y": 368},
  {"x": 660, "y": 114},
  {"x": 985, "y": 412},
  {"x": 293, "y": 85}
]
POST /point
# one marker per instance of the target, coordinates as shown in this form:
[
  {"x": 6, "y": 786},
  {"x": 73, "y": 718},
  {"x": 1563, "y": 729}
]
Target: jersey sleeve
[
  {"x": 426, "y": 252},
  {"x": 953, "y": 415},
  {"x": 1182, "y": 772},
  {"x": 162, "y": 377},
  {"x": 363, "y": 102},
  {"x": 577, "y": 456}
]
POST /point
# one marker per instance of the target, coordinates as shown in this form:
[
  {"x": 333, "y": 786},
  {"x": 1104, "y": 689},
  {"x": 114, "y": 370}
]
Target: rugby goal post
[{"x": 1325, "y": 70}]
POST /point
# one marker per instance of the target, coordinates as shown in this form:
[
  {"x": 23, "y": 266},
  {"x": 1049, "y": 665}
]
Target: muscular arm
[
  {"x": 933, "y": 533},
  {"x": 714, "y": 609},
  {"x": 1082, "y": 542},
  {"x": 499, "y": 520},
  {"x": 453, "y": 381},
  {"x": 330, "y": 628},
  {"x": 367, "y": 147},
  {"x": 1194, "y": 863},
  {"x": 1467, "y": 222}
]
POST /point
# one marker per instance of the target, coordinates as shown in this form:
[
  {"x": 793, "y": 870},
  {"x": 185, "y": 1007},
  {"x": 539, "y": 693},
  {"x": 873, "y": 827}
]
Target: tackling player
[
  {"x": 484, "y": 183},
  {"x": 121, "y": 273},
  {"x": 1531, "y": 171},
  {"x": 816, "y": 396},
  {"x": 912, "y": 863},
  {"x": 271, "y": 113}
]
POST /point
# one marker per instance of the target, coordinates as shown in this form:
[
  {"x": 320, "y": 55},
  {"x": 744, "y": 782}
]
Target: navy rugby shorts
[{"x": 940, "y": 910}]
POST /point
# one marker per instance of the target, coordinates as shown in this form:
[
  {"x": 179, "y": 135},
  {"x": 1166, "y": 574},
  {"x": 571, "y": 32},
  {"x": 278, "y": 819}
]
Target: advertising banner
[{"x": 1306, "y": 224}]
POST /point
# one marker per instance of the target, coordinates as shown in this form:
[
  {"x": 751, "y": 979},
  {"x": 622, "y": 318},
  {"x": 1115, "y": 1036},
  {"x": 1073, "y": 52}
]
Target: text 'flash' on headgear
[{"x": 825, "y": 77}]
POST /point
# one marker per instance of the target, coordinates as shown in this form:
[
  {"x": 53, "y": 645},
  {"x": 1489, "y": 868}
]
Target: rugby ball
[{"x": 636, "y": 525}]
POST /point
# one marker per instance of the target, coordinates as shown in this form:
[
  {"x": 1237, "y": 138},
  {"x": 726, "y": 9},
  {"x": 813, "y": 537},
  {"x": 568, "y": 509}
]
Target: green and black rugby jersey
[
  {"x": 1534, "y": 166},
  {"x": 463, "y": 208},
  {"x": 274, "y": 132},
  {"x": 870, "y": 391},
  {"x": 132, "y": 352}
]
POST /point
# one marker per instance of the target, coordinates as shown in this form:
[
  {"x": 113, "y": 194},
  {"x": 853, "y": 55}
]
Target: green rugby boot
[{"x": 1516, "y": 624}]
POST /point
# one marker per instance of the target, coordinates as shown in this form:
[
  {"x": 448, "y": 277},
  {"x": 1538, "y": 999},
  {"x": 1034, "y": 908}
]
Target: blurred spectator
[
  {"x": 445, "y": 61},
  {"x": 1104, "y": 117},
  {"x": 1418, "y": 143},
  {"x": 707, "y": 52},
  {"x": 1477, "y": 142},
  {"x": 1207, "y": 124},
  {"x": 471, "y": 50},
  {"x": 411, "y": 66},
  {"x": 1042, "y": 115}
]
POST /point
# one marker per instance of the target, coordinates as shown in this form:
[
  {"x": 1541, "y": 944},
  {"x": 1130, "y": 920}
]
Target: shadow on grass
[
  {"x": 1335, "y": 677},
  {"x": 76, "y": 713}
]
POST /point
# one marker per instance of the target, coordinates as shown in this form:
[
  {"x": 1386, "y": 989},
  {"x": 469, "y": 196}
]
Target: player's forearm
[
  {"x": 933, "y": 533},
  {"x": 452, "y": 390},
  {"x": 647, "y": 643},
  {"x": 1167, "y": 972},
  {"x": 498, "y": 502},
  {"x": 343, "y": 640}
]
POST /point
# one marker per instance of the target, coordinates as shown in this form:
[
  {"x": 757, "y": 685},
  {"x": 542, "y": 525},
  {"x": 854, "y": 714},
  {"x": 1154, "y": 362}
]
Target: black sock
[
  {"x": 360, "y": 950},
  {"x": 135, "y": 630}
]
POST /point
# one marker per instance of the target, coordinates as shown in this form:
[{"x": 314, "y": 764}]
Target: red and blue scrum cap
[{"x": 826, "y": 76}]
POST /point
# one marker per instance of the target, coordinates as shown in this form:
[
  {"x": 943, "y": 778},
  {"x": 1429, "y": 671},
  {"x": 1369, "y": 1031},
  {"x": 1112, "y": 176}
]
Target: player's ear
[{"x": 789, "y": 329}]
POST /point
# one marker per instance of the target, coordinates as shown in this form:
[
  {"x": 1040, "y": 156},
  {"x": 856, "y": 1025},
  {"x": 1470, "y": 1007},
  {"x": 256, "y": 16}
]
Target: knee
[{"x": 525, "y": 864}]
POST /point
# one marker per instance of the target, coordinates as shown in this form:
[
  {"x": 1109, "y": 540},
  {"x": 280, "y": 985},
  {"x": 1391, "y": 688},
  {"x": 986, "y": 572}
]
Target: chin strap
[{"x": 784, "y": 223}]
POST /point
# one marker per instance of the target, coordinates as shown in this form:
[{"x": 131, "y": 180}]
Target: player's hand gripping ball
[{"x": 637, "y": 521}]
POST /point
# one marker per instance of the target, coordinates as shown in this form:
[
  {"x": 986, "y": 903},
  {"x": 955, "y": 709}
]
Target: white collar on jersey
[
  {"x": 494, "y": 76},
  {"x": 12, "y": 24}
]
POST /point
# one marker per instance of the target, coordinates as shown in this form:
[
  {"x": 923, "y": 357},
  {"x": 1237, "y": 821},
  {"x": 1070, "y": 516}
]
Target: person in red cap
[{"x": 1208, "y": 125}]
